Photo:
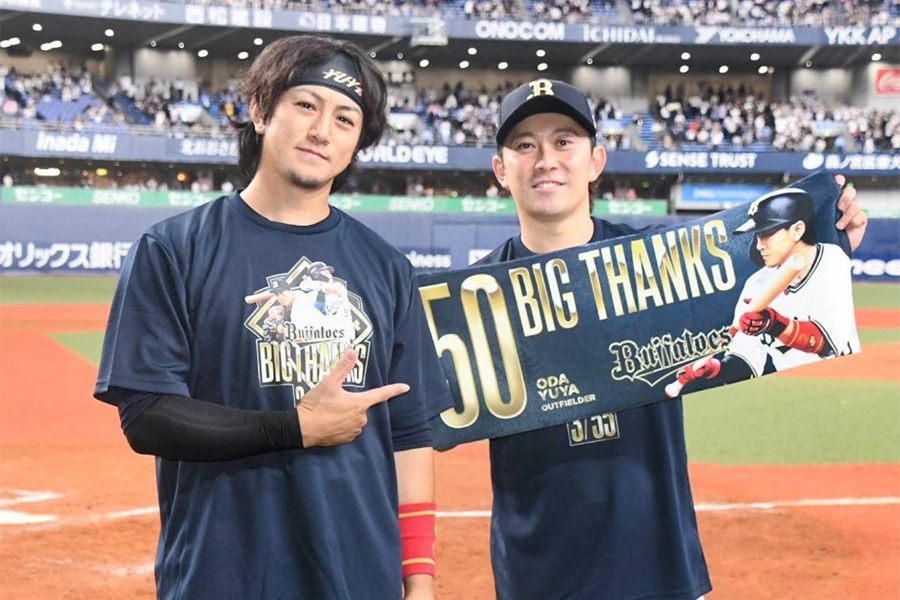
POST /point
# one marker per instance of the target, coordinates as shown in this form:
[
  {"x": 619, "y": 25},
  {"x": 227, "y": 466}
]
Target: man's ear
[
  {"x": 259, "y": 123},
  {"x": 598, "y": 162},
  {"x": 500, "y": 170},
  {"x": 798, "y": 229}
]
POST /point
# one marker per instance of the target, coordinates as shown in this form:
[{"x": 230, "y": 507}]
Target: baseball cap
[{"x": 544, "y": 96}]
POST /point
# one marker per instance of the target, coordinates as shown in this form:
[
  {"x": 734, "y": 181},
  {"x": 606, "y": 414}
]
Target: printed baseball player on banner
[{"x": 797, "y": 309}]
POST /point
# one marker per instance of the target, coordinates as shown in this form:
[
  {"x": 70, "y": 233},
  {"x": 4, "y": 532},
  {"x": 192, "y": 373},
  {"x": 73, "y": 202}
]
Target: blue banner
[
  {"x": 112, "y": 145},
  {"x": 560, "y": 337}
]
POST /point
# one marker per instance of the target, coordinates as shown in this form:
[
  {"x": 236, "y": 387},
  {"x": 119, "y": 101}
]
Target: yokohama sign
[{"x": 887, "y": 82}]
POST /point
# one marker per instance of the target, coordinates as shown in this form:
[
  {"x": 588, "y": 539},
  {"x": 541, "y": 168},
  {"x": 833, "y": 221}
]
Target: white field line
[
  {"x": 482, "y": 514},
  {"x": 12, "y": 517},
  {"x": 26, "y": 496},
  {"x": 91, "y": 519},
  {"x": 137, "y": 570}
]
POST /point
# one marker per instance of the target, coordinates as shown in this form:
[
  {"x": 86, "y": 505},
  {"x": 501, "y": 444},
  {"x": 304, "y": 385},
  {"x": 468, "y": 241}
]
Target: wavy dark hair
[{"x": 270, "y": 77}]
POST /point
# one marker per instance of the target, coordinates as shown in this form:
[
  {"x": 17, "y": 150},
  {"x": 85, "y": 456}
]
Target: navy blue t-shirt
[
  {"x": 596, "y": 509},
  {"x": 310, "y": 524}
]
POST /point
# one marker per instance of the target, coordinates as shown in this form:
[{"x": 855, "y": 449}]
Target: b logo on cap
[
  {"x": 344, "y": 79},
  {"x": 541, "y": 87}
]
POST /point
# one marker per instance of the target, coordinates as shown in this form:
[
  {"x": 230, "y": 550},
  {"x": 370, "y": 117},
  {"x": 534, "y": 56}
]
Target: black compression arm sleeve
[{"x": 181, "y": 428}]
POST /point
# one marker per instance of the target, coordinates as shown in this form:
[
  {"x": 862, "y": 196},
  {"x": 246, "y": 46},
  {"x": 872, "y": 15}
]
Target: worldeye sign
[
  {"x": 405, "y": 155},
  {"x": 565, "y": 336}
]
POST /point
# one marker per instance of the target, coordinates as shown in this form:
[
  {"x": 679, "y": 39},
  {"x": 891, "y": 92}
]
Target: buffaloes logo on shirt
[{"x": 304, "y": 321}]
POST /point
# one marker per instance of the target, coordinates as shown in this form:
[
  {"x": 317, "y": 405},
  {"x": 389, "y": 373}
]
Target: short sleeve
[
  {"x": 414, "y": 361},
  {"x": 147, "y": 347},
  {"x": 746, "y": 346},
  {"x": 835, "y": 317}
]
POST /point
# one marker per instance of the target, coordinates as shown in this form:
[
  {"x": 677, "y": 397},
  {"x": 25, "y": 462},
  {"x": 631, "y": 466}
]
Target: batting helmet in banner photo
[{"x": 779, "y": 210}]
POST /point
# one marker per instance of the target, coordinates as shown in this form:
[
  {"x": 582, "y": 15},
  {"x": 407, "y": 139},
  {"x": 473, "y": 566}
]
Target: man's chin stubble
[{"x": 305, "y": 183}]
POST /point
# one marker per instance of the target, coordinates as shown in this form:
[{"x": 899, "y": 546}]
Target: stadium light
[
  {"x": 464, "y": 64},
  {"x": 373, "y": 54},
  {"x": 153, "y": 43},
  {"x": 684, "y": 69},
  {"x": 181, "y": 45},
  {"x": 723, "y": 69},
  {"x": 424, "y": 63},
  {"x": 541, "y": 53},
  {"x": 590, "y": 61},
  {"x": 399, "y": 56},
  {"x": 51, "y": 45},
  {"x": 37, "y": 27},
  {"x": 763, "y": 70},
  {"x": 754, "y": 57},
  {"x": 542, "y": 67},
  {"x": 243, "y": 55},
  {"x": 503, "y": 66},
  {"x": 51, "y": 172},
  {"x": 685, "y": 56},
  {"x": 102, "y": 172},
  {"x": 10, "y": 42},
  {"x": 97, "y": 47},
  {"x": 473, "y": 51},
  {"x": 203, "y": 53},
  {"x": 109, "y": 33},
  {"x": 258, "y": 41},
  {"x": 876, "y": 57},
  {"x": 808, "y": 64}
]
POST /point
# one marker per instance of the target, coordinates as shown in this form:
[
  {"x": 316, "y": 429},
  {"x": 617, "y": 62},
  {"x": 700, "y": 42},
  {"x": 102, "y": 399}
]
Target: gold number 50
[{"x": 487, "y": 376}]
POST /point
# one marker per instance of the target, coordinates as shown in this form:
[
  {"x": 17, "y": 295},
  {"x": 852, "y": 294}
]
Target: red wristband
[{"x": 417, "y": 535}]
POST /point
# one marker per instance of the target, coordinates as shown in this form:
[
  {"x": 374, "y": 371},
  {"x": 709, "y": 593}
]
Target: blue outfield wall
[{"x": 95, "y": 239}]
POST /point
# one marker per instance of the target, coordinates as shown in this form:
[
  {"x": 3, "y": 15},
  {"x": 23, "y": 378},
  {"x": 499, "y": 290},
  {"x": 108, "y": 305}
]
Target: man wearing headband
[
  {"x": 272, "y": 353},
  {"x": 600, "y": 508}
]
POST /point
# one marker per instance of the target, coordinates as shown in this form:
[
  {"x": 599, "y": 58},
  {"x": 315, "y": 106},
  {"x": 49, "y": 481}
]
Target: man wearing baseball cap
[
  {"x": 287, "y": 468},
  {"x": 600, "y": 508}
]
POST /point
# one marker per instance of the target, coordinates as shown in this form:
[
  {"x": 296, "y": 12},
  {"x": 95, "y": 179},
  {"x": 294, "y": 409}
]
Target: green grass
[
  {"x": 771, "y": 421},
  {"x": 876, "y": 295},
  {"x": 57, "y": 290},
  {"x": 86, "y": 344},
  {"x": 786, "y": 421},
  {"x": 878, "y": 336}
]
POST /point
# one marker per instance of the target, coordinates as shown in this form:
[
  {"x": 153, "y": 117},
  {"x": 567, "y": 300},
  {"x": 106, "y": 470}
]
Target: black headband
[{"x": 338, "y": 73}]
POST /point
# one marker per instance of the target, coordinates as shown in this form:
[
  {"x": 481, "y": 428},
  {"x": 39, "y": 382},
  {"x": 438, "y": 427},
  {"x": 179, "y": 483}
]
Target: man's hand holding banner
[{"x": 622, "y": 323}]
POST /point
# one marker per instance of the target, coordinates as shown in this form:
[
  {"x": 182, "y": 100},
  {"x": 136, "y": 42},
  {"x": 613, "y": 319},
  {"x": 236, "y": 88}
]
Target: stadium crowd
[
  {"x": 739, "y": 118},
  {"x": 760, "y": 13},
  {"x": 714, "y": 118}
]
